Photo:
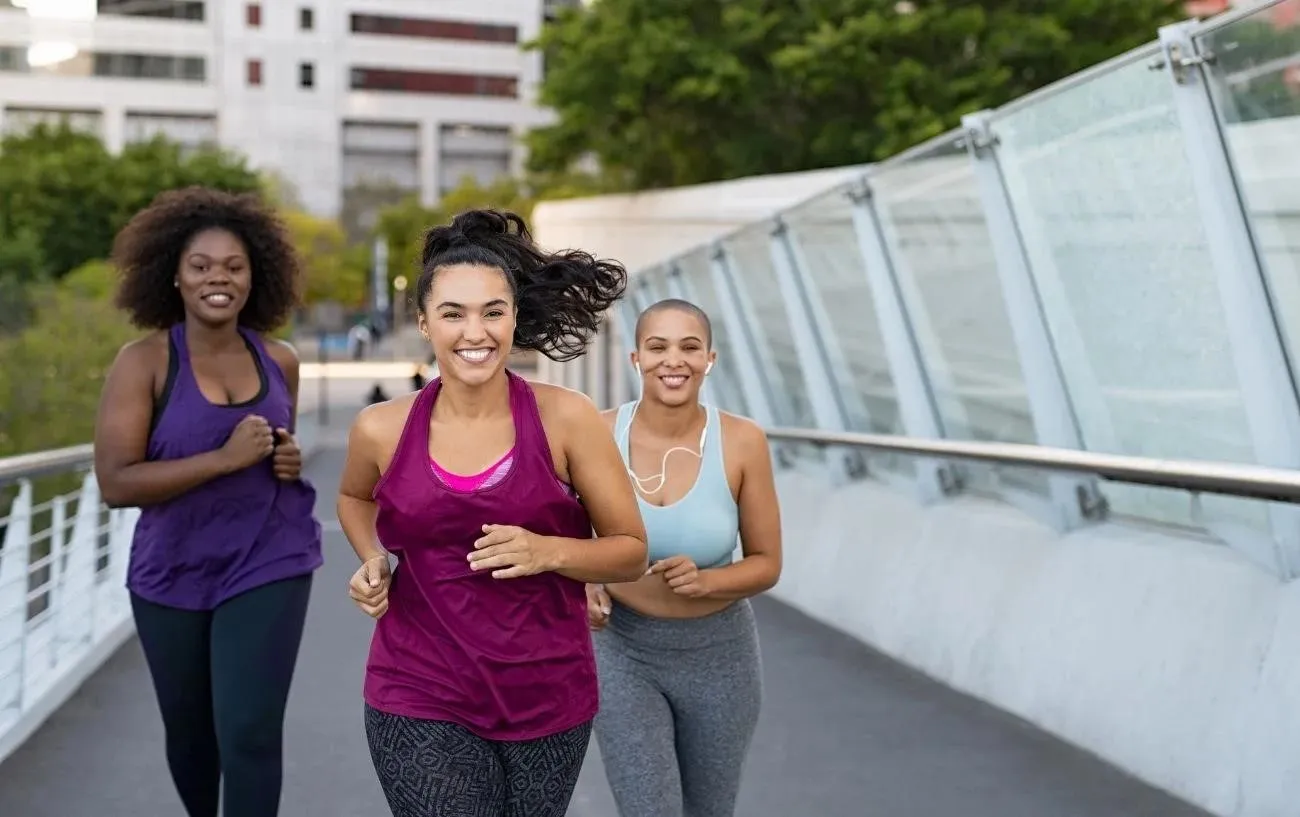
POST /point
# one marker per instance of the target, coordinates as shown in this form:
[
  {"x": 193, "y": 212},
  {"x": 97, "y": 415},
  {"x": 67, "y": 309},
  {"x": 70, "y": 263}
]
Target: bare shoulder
[
  {"x": 282, "y": 351},
  {"x": 610, "y": 416},
  {"x": 142, "y": 361},
  {"x": 377, "y": 428},
  {"x": 380, "y": 425},
  {"x": 743, "y": 433},
  {"x": 563, "y": 405},
  {"x": 145, "y": 351}
]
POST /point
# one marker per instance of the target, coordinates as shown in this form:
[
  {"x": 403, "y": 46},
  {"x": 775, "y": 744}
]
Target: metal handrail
[
  {"x": 1206, "y": 476},
  {"x": 43, "y": 463},
  {"x": 58, "y": 460},
  {"x": 1230, "y": 479}
]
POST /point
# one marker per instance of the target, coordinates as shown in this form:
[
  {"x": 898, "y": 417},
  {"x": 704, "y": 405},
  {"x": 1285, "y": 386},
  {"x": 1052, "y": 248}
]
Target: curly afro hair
[{"x": 147, "y": 253}]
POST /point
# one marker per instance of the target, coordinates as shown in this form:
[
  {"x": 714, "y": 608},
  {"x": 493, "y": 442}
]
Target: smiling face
[
  {"x": 214, "y": 277},
  {"x": 469, "y": 318},
  {"x": 674, "y": 354}
]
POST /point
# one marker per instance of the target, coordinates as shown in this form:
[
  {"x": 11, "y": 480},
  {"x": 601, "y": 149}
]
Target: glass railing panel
[
  {"x": 751, "y": 254},
  {"x": 823, "y": 230},
  {"x": 640, "y": 293},
  {"x": 932, "y": 217},
  {"x": 1099, "y": 181},
  {"x": 694, "y": 267},
  {"x": 1255, "y": 85}
]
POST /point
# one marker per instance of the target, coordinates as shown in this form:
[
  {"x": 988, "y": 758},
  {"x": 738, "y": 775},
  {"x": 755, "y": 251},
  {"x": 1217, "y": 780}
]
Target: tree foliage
[
  {"x": 685, "y": 91},
  {"x": 332, "y": 271},
  {"x": 64, "y": 196},
  {"x": 50, "y": 380}
]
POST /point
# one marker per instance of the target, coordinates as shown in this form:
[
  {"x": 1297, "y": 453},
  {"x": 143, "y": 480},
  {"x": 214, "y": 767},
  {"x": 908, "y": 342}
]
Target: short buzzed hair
[{"x": 676, "y": 304}]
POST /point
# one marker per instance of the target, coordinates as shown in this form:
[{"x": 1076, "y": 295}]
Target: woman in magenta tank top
[
  {"x": 195, "y": 428},
  {"x": 499, "y": 498}
]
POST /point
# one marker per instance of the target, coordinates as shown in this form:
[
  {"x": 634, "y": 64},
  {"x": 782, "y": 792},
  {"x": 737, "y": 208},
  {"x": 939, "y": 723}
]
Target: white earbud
[
  {"x": 638, "y": 369},
  {"x": 709, "y": 367}
]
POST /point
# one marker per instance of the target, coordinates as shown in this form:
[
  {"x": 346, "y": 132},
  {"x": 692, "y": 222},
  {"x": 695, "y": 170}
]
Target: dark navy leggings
[{"x": 222, "y": 678}]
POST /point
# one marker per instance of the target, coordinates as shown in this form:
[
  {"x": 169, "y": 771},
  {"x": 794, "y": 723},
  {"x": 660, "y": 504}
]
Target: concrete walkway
[{"x": 845, "y": 733}]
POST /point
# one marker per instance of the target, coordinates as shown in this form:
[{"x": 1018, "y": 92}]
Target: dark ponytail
[{"x": 560, "y": 297}]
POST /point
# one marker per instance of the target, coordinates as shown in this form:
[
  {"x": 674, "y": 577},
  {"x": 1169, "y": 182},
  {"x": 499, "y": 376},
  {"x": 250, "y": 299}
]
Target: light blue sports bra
[{"x": 704, "y": 524}]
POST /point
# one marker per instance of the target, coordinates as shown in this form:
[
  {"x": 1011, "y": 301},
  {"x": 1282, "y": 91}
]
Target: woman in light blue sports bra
[{"x": 677, "y": 651}]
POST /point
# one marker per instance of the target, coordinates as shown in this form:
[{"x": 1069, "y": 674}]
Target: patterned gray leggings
[{"x": 441, "y": 769}]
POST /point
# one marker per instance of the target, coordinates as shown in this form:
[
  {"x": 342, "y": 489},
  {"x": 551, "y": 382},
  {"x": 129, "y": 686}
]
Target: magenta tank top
[{"x": 508, "y": 659}]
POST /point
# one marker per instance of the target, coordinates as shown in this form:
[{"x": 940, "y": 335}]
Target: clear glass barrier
[
  {"x": 823, "y": 229},
  {"x": 930, "y": 212},
  {"x": 695, "y": 270},
  {"x": 1099, "y": 180},
  {"x": 932, "y": 217},
  {"x": 640, "y": 290},
  {"x": 1255, "y": 85},
  {"x": 751, "y": 253}
]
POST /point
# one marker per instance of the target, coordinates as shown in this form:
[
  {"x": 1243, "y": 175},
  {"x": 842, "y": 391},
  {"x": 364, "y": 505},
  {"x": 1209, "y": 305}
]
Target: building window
[
  {"x": 306, "y": 75},
  {"x": 432, "y": 82},
  {"x": 191, "y": 10},
  {"x": 253, "y": 15},
  {"x": 306, "y": 19},
  {"x": 433, "y": 29},
  {"x": 254, "y": 72},
  {"x": 150, "y": 66},
  {"x": 111, "y": 64}
]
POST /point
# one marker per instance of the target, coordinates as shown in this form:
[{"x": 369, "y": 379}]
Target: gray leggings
[{"x": 679, "y": 700}]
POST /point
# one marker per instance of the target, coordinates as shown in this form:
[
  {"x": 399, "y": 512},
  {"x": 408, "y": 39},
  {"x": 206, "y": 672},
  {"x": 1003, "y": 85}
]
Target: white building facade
[{"x": 346, "y": 100}]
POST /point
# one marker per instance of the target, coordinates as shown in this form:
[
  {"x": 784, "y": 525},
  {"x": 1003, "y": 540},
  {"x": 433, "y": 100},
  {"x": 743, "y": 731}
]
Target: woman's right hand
[
  {"x": 598, "y": 606},
  {"x": 369, "y": 586},
  {"x": 252, "y": 441}
]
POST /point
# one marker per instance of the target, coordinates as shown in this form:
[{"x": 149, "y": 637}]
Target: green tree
[
  {"x": 332, "y": 273},
  {"x": 50, "y": 380},
  {"x": 93, "y": 281},
  {"x": 21, "y": 266},
  {"x": 685, "y": 91},
  {"x": 66, "y": 193}
]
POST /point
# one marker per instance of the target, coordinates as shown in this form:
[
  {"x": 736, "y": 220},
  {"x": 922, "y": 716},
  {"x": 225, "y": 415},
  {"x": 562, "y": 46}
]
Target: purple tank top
[
  {"x": 237, "y": 532},
  {"x": 508, "y": 659}
]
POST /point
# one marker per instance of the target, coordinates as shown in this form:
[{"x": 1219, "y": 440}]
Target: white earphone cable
[{"x": 662, "y": 476}]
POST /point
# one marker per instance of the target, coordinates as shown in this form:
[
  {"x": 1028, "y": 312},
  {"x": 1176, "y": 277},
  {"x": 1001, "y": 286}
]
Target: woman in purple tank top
[
  {"x": 195, "y": 428},
  {"x": 499, "y": 498}
]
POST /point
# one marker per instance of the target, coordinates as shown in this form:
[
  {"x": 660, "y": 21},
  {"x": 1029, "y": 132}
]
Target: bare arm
[
  {"x": 618, "y": 554},
  {"x": 286, "y": 357},
  {"x": 125, "y": 478},
  {"x": 356, "y": 507},
  {"x": 760, "y": 524}
]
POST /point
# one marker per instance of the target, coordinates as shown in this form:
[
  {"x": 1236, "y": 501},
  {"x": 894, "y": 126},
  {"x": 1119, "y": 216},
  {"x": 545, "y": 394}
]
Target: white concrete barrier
[{"x": 1169, "y": 656}]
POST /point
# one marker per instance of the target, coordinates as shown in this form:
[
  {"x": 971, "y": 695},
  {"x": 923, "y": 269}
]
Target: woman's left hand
[
  {"x": 683, "y": 576},
  {"x": 286, "y": 458},
  {"x": 510, "y": 551}
]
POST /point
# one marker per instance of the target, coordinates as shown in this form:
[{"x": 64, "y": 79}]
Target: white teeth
[
  {"x": 474, "y": 355},
  {"x": 217, "y": 300},
  {"x": 674, "y": 380}
]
